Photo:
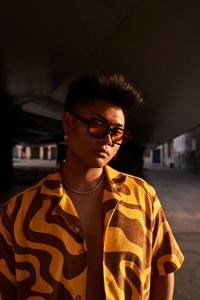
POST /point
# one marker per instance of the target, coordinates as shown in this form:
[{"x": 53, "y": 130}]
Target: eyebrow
[{"x": 100, "y": 116}]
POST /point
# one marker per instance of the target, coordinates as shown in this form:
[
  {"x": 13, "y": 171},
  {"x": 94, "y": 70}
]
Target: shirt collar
[
  {"x": 52, "y": 183},
  {"x": 115, "y": 178}
]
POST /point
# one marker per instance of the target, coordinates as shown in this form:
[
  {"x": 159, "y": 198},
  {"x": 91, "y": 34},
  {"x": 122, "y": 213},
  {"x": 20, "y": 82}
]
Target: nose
[{"x": 108, "y": 139}]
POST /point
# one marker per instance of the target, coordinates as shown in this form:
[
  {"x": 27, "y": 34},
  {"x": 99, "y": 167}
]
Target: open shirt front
[{"x": 43, "y": 254}]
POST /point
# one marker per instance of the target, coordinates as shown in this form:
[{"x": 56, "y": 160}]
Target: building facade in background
[
  {"x": 160, "y": 156},
  {"x": 43, "y": 152},
  {"x": 182, "y": 152}
]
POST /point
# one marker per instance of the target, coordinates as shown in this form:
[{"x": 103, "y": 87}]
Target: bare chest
[{"x": 89, "y": 209}]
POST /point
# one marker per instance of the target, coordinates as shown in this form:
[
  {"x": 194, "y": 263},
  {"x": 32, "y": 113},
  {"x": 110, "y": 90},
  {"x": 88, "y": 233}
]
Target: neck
[{"x": 80, "y": 176}]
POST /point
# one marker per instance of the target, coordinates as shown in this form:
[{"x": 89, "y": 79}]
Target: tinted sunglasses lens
[
  {"x": 117, "y": 136},
  {"x": 122, "y": 137},
  {"x": 97, "y": 128}
]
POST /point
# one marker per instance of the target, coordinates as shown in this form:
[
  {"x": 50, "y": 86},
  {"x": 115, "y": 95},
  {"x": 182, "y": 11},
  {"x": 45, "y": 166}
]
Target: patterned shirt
[{"x": 43, "y": 253}]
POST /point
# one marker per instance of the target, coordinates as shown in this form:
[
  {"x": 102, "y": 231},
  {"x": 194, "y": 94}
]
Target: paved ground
[{"x": 179, "y": 193}]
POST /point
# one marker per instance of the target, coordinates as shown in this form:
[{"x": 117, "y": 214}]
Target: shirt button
[
  {"x": 82, "y": 251},
  {"x": 78, "y": 297}
]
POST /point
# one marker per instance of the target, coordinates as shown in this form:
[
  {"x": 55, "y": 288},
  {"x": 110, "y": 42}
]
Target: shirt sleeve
[
  {"x": 166, "y": 254},
  {"x": 7, "y": 261}
]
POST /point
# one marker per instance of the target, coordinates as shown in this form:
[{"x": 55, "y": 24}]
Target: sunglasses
[{"x": 99, "y": 128}]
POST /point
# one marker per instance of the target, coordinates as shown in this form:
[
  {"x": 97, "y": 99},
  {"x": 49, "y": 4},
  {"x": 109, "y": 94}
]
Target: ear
[{"x": 66, "y": 121}]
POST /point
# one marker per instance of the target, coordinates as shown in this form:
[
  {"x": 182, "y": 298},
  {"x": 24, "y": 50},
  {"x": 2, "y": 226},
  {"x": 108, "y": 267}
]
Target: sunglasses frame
[{"x": 110, "y": 130}]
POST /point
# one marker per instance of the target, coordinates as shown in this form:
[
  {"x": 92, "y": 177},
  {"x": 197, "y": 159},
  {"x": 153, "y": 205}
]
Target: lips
[{"x": 102, "y": 152}]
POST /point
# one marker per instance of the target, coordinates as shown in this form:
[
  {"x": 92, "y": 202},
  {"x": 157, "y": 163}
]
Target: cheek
[
  {"x": 114, "y": 151},
  {"x": 81, "y": 141},
  {"x": 77, "y": 135}
]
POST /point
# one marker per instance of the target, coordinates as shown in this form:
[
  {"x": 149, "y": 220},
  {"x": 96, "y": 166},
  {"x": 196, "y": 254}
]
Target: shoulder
[
  {"x": 23, "y": 197},
  {"x": 134, "y": 183},
  {"x": 134, "y": 192},
  {"x": 140, "y": 184},
  {"x": 144, "y": 192},
  {"x": 47, "y": 188}
]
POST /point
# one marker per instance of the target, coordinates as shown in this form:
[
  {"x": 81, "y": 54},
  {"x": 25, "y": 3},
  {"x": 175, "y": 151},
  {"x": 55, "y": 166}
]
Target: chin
[
  {"x": 97, "y": 162},
  {"x": 100, "y": 163}
]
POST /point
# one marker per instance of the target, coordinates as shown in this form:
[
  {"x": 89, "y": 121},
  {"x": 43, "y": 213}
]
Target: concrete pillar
[
  {"x": 28, "y": 152},
  {"x": 41, "y": 152},
  {"x": 147, "y": 159},
  {"x": 19, "y": 151},
  {"x": 49, "y": 152}
]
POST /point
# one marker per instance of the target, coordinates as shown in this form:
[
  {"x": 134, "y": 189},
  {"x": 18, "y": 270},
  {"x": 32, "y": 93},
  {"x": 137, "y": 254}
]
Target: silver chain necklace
[{"x": 67, "y": 186}]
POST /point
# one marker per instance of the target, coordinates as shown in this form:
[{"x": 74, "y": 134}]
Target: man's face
[{"x": 92, "y": 151}]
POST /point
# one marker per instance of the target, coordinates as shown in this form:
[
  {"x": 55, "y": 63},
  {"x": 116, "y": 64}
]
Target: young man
[{"x": 87, "y": 231}]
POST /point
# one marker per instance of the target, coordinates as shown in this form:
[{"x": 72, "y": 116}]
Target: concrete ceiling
[{"x": 155, "y": 44}]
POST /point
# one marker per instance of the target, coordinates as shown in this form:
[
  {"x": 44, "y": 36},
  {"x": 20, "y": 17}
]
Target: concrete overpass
[{"x": 45, "y": 44}]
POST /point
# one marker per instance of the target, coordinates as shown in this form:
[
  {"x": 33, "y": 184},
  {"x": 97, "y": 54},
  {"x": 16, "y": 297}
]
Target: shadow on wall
[{"x": 129, "y": 159}]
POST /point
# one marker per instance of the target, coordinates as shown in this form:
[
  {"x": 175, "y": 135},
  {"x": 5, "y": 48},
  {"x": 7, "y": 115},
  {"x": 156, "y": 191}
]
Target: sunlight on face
[{"x": 90, "y": 150}]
